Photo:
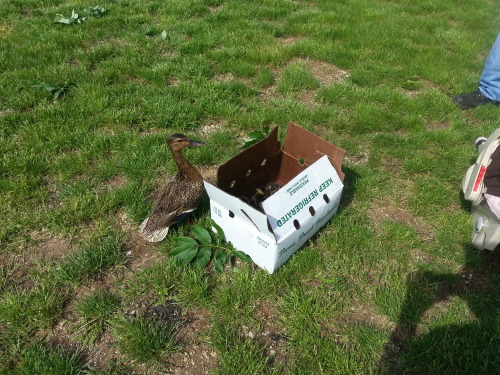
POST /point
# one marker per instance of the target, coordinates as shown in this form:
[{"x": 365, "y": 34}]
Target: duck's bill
[{"x": 193, "y": 143}]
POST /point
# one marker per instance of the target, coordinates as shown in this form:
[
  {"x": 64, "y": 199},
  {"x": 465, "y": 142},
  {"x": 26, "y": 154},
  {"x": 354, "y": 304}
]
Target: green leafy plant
[
  {"x": 57, "y": 90},
  {"x": 74, "y": 18},
  {"x": 96, "y": 11},
  {"x": 255, "y": 137},
  {"x": 203, "y": 248}
]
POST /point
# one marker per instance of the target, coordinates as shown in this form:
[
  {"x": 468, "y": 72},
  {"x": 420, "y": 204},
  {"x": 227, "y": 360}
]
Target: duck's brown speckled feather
[{"x": 179, "y": 196}]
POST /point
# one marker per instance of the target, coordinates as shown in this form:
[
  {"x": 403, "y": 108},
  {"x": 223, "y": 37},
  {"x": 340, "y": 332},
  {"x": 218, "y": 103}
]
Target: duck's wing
[{"x": 176, "y": 200}]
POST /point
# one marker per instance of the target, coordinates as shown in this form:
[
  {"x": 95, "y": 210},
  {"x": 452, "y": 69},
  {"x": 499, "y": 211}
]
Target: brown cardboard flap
[
  {"x": 306, "y": 148},
  {"x": 251, "y": 168}
]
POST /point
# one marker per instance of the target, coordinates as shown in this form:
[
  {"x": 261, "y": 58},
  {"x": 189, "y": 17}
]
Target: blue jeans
[{"x": 489, "y": 84}]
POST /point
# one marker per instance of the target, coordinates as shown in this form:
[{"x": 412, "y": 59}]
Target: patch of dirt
[
  {"x": 434, "y": 125},
  {"x": 365, "y": 314},
  {"x": 389, "y": 211},
  {"x": 209, "y": 173},
  {"x": 6, "y": 112},
  {"x": 268, "y": 334},
  {"x": 50, "y": 248},
  {"x": 289, "y": 40},
  {"x": 104, "y": 352},
  {"x": 325, "y": 72},
  {"x": 140, "y": 252},
  {"x": 215, "y": 8},
  {"x": 393, "y": 165},
  {"x": 212, "y": 127},
  {"x": 421, "y": 257},
  {"x": 197, "y": 356},
  {"x": 360, "y": 158},
  {"x": 225, "y": 77},
  {"x": 115, "y": 182}
]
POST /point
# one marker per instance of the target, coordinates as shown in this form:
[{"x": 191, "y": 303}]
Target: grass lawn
[{"x": 391, "y": 285}]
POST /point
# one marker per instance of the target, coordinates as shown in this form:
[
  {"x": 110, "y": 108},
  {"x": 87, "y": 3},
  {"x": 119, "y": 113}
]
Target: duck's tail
[{"x": 153, "y": 235}]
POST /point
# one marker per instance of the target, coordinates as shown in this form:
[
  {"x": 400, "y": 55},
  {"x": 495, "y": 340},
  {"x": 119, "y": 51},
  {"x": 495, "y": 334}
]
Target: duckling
[{"x": 179, "y": 196}]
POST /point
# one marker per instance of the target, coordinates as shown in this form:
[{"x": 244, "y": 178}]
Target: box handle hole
[
  {"x": 312, "y": 211},
  {"x": 325, "y": 197},
  {"x": 296, "y": 224}
]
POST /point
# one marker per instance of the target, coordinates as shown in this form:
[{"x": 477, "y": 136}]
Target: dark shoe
[{"x": 471, "y": 100}]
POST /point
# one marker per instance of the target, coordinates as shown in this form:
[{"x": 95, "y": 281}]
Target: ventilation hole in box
[
  {"x": 231, "y": 185},
  {"x": 263, "y": 162},
  {"x": 312, "y": 210},
  {"x": 296, "y": 224},
  {"x": 249, "y": 172},
  {"x": 231, "y": 214},
  {"x": 301, "y": 161},
  {"x": 325, "y": 197}
]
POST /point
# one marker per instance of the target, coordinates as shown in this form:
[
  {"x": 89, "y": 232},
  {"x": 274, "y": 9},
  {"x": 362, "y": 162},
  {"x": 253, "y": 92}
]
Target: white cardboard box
[{"x": 309, "y": 170}]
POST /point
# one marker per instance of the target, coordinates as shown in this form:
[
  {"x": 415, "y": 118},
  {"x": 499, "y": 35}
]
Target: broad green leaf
[
  {"x": 220, "y": 232},
  {"x": 183, "y": 240},
  {"x": 186, "y": 256},
  {"x": 203, "y": 257},
  {"x": 182, "y": 248},
  {"x": 202, "y": 234},
  {"x": 256, "y": 134},
  {"x": 219, "y": 260},
  {"x": 249, "y": 143},
  {"x": 57, "y": 93},
  {"x": 242, "y": 255}
]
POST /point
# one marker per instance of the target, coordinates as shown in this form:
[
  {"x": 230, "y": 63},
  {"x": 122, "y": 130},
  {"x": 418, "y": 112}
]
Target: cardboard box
[{"x": 309, "y": 170}]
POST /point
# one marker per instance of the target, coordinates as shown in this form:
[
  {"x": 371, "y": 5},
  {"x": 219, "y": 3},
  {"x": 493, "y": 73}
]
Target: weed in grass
[
  {"x": 57, "y": 90},
  {"x": 96, "y": 312},
  {"x": 74, "y": 18},
  {"x": 38, "y": 359},
  {"x": 144, "y": 340}
]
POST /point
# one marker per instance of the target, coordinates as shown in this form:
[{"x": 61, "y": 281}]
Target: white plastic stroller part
[{"x": 485, "y": 221}]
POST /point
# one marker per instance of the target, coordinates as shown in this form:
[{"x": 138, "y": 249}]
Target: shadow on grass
[
  {"x": 470, "y": 348},
  {"x": 350, "y": 179}
]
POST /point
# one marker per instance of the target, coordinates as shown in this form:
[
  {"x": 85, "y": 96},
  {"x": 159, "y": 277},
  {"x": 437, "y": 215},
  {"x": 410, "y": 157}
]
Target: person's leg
[{"x": 489, "y": 84}]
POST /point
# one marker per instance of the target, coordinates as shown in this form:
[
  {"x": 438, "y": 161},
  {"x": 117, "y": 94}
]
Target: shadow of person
[{"x": 472, "y": 347}]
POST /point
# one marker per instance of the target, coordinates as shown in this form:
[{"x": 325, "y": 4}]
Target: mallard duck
[{"x": 179, "y": 196}]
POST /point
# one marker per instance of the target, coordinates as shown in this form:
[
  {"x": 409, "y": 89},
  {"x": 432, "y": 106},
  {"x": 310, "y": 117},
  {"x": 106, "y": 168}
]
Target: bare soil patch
[
  {"x": 268, "y": 334},
  {"x": 389, "y": 211},
  {"x": 115, "y": 182},
  {"x": 365, "y": 314},
  {"x": 197, "y": 356},
  {"x": 434, "y": 125},
  {"x": 52, "y": 247},
  {"x": 289, "y": 40}
]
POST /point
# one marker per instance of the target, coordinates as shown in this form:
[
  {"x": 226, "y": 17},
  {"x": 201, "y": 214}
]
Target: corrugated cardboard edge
[{"x": 295, "y": 141}]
